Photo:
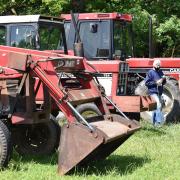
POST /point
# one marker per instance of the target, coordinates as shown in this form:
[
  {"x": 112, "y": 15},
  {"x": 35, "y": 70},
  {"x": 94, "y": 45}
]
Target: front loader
[{"x": 69, "y": 82}]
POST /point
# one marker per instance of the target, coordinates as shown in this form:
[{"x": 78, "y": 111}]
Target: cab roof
[
  {"x": 28, "y": 19},
  {"x": 93, "y": 16}
]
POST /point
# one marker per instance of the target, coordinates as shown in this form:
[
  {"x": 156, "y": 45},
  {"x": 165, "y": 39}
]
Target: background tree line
[{"x": 165, "y": 15}]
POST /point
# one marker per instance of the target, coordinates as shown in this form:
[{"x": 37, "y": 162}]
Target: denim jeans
[{"x": 157, "y": 117}]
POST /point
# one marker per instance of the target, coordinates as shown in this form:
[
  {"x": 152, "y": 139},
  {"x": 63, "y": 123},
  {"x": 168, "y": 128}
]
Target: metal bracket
[
  {"x": 116, "y": 107},
  {"x": 80, "y": 117},
  {"x": 17, "y": 94}
]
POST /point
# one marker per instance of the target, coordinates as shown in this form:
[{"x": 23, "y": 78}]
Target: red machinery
[
  {"x": 47, "y": 33},
  {"x": 108, "y": 36},
  {"x": 82, "y": 139}
]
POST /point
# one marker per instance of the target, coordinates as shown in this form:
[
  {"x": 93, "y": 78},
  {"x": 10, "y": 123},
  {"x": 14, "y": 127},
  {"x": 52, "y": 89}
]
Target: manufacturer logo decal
[{"x": 174, "y": 70}]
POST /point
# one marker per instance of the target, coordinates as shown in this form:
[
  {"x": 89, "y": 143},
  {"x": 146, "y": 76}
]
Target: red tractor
[
  {"x": 108, "y": 37},
  {"x": 47, "y": 33},
  {"x": 29, "y": 127},
  {"x": 36, "y": 85}
]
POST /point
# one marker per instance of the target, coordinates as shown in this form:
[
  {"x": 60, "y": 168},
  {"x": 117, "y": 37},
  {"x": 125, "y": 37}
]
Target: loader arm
[{"x": 81, "y": 140}]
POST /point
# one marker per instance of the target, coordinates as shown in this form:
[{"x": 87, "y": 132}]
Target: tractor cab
[
  {"x": 32, "y": 32},
  {"x": 104, "y": 35}
]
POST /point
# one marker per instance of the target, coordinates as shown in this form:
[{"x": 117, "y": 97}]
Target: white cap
[{"x": 156, "y": 63}]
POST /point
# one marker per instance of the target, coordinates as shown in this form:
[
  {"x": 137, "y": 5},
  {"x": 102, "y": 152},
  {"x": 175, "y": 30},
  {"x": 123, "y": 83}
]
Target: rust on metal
[
  {"x": 76, "y": 143},
  {"x": 79, "y": 146},
  {"x": 138, "y": 103},
  {"x": 113, "y": 130},
  {"x": 17, "y": 61},
  {"x": 78, "y": 96},
  {"x": 148, "y": 104},
  {"x": 4, "y": 98}
]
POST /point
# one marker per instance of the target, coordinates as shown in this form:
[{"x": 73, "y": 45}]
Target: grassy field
[{"x": 149, "y": 154}]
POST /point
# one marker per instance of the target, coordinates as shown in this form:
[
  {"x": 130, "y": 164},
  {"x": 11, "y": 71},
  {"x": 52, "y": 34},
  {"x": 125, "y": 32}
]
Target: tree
[
  {"x": 168, "y": 36},
  {"x": 165, "y": 15},
  {"x": 47, "y": 7}
]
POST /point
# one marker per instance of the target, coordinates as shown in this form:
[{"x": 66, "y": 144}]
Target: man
[{"x": 155, "y": 80}]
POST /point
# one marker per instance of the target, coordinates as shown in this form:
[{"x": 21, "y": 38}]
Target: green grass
[{"x": 149, "y": 154}]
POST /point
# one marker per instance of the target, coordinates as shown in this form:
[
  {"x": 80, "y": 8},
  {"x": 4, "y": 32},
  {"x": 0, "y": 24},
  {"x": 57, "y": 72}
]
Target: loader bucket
[{"x": 79, "y": 145}]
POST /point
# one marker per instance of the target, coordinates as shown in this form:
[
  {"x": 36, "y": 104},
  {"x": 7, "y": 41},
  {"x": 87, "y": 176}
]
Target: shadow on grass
[
  {"x": 115, "y": 164},
  {"x": 155, "y": 130},
  {"x": 152, "y": 130},
  {"x": 18, "y": 160}
]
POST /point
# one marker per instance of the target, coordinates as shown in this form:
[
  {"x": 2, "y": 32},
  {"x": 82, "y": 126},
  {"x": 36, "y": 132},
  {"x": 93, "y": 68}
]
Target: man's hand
[
  {"x": 164, "y": 77},
  {"x": 159, "y": 82}
]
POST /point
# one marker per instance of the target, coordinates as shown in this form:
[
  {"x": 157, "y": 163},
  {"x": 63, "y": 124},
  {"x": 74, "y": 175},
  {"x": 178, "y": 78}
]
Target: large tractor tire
[
  {"x": 88, "y": 110},
  {"x": 171, "y": 96},
  {"x": 5, "y": 145},
  {"x": 37, "y": 139}
]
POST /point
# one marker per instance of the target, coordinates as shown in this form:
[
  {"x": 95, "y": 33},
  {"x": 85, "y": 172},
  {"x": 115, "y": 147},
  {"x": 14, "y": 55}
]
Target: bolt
[
  {"x": 129, "y": 125},
  {"x": 95, "y": 135},
  {"x": 110, "y": 118}
]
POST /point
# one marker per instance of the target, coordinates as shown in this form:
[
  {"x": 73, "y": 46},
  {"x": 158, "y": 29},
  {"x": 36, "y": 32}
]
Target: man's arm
[{"x": 149, "y": 81}]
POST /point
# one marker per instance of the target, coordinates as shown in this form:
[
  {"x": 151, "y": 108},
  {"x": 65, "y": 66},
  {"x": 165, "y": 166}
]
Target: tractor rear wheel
[
  {"x": 171, "y": 96},
  {"x": 37, "y": 139},
  {"x": 5, "y": 145}
]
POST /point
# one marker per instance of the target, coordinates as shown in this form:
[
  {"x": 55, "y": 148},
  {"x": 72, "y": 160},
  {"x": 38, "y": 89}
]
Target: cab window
[
  {"x": 122, "y": 39},
  {"x": 50, "y": 37},
  {"x": 23, "y": 36},
  {"x": 95, "y": 36},
  {"x": 2, "y": 35}
]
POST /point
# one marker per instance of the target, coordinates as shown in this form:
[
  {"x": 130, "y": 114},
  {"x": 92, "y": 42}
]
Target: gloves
[{"x": 159, "y": 82}]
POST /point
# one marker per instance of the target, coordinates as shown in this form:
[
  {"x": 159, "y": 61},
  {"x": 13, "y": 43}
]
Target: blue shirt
[{"x": 150, "y": 81}]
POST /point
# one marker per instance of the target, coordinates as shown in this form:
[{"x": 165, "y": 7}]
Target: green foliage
[
  {"x": 140, "y": 29},
  {"x": 165, "y": 15},
  {"x": 161, "y": 8},
  {"x": 160, "y": 11},
  {"x": 55, "y": 6},
  {"x": 166, "y": 25},
  {"x": 48, "y": 7},
  {"x": 168, "y": 33}
]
